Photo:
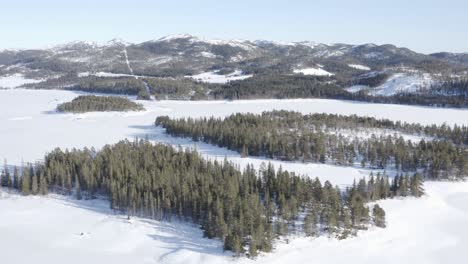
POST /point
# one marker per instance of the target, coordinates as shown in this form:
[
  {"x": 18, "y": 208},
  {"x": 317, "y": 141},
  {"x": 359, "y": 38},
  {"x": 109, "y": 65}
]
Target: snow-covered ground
[
  {"x": 398, "y": 83},
  {"x": 359, "y": 67},
  {"x": 214, "y": 77},
  {"x": 55, "y": 230},
  {"x": 428, "y": 230},
  {"x": 313, "y": 71},
  {"x": 104, "y": 74},
  {"x": 30, "y": 126},
  {"x": 15, "y": 80}
]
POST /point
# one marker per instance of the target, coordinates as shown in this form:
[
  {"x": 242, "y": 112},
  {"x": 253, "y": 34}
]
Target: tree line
[
  {"x": 92, "y": 103},
  {"x": 284, "y": 86},
  {"x": 246, "y": 209},
  {"x": 450, "y": 93},
  {"x": 292, "y": 136}
]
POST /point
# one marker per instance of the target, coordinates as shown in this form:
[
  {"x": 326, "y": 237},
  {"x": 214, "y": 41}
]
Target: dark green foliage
[
  {"x": 181, "y": 88},
  {"x": 90, "y": 103},
  {"x": 119, "y": 85},
  {"x": 372, "y": 80},
  {"x": 25, "y": 181},
  {"x": 5, "y": 177},
  {"x": 281, "y": 86},
  {"x": 238, "y": 207},
  {"x": 293, "y": 136},
  {"x": 379, "y": 216},
  {"x": 452, "y": 87}
]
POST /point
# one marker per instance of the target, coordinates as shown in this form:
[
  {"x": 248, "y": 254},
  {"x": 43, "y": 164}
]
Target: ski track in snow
[{"x": 128, "y": 62}]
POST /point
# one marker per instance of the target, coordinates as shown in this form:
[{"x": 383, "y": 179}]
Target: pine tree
[
  {"x": 34, "y": 184},
  {"x": 310, "y": 223},
  {"x": 43, "y": 189},
  {"x": 25, "y": 182},
  {"x": 416, "y": 185},
  {"x": 78, "y": 190},
  {"x": 379, "y": 216},
  {"x": 16, "y": 180}
]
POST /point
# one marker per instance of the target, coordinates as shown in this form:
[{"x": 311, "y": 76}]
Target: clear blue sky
[{"x": 424, "y": 26}]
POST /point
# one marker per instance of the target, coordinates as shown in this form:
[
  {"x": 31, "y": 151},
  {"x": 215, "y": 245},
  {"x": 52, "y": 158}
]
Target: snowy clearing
[
  {"x": 359, "y": 67},
  {"x": 104, "y": 74},
  {"x": 398, "y": 83},
  {"x": 428, "y": 230},
  {"x": 401, "y": 82},
  {"x": 313, "y": 71},
  {"x": 15, "y": 80},
  {"x": 214, "y": 77}
]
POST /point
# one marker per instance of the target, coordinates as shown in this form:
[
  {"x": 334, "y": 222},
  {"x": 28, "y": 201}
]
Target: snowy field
[
  {"x": 428, "y": 230},
  {"x": 30, "y": 127},
  {"x": 313, "y": 71},
  {"x": 15, "y": 80},
  {"x": 215, "y": 77}
]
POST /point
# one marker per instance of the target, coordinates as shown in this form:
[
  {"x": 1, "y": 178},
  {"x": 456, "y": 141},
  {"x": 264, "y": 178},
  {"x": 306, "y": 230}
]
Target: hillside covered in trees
[
  {"x": 318, "y": 138},
  {"x": 449, "y": 92},
  {"x": 92, "y": 103},
  {"x": 246, "y": 209}
]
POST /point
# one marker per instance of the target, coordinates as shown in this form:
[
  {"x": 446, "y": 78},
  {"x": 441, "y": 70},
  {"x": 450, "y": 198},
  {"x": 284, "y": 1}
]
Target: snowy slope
[
  {"x": 428, "y": 230},
  {"x": 313, "y": 71},
  {"x": 214, "y": 77},
  {"x": 398, "y": 83},
  {"x": 403, "y": 83}
]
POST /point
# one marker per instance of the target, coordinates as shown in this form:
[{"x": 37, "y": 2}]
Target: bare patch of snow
[
  {"x": 403, "y": 83},
  {"x": 313, "y": 71},
  {"x": 356, "y": 88},
  {"x": 359, "y": 67},
  {"x": 207, "y": 55},
  {"x": 213, "y": 77},
  {"x": 15, "y": 80}
]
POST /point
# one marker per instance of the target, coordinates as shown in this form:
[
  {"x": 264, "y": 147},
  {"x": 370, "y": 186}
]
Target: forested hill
[
  {"x": 187, "y": 67},
  {"x": 322, "y": 138}
]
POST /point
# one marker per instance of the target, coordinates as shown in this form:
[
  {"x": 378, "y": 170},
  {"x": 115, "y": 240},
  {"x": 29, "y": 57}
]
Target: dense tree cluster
[
  {"x": 92, "y": 103},
  {"x": 292, "y": 136},
  {"x": 284, "y": 86},
  {"x": 246, "y": 209},
  {"x": 281, "y": 86},
  {"x": 452, "y": 87},
  {"x": 371, "y": 80},
  {"x": 116, "y": 85},
  {"x": 264, "y": 85},
  {"x": 181, "y": 88}
]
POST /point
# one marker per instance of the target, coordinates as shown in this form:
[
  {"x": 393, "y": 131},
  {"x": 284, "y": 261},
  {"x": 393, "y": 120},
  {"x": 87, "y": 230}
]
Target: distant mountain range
[{"x": 181, "y": 55}]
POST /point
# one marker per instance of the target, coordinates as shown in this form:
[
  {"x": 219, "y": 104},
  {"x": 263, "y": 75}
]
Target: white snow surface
[
  {"x": 359, "y": 67},
  {"x": 56, "y": 230},
  {"x": 403, "y": 82},
  {"x": 398, "y": 83},
  {"x": 15, "y": 80},
  {"x": 31, "y": 127},
  {"x": 430, "y": 230},
  {"x": 214, "y": 77},
  {"x": 313, "y": 71}
]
